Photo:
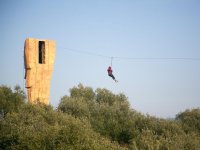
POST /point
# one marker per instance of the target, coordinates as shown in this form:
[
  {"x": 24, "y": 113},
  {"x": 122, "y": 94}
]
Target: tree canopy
[{"x": 91, "y": 119}]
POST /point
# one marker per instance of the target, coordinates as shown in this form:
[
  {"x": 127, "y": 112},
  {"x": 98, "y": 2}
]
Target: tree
[
  {"x": 41, "y": 127},
  {"x": 82, "y": 92},
  {"x": 190, "y": 120},
  {"x": 108, "y": 114},
  {"x": 10, "y": 100},
  {"x": 78, "y": 107},
  {"x": 91, "y": 120}
]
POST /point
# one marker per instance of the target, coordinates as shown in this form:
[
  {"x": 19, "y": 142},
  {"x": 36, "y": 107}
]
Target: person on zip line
[{"x": 110, "y": 73}]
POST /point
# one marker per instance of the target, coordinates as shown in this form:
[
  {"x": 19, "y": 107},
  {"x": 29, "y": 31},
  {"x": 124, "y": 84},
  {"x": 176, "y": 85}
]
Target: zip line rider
[{"x": 109, "y": 70}]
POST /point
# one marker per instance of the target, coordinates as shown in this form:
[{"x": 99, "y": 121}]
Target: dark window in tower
[{"x": 41, "y": 51}]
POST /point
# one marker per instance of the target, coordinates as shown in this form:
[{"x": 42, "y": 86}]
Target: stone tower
[{"x": 39, "y": 58}]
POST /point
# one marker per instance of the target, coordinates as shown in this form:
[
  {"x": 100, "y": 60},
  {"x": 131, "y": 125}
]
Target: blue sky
[{"x": 129, "y": 28}]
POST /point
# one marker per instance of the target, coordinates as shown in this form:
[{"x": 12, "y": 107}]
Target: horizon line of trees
[{"x": 91, "y": 119}]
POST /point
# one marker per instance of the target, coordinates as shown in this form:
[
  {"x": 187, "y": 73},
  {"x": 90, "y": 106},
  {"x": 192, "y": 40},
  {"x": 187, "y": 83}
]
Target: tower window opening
[{"x": 41, "y": 51}]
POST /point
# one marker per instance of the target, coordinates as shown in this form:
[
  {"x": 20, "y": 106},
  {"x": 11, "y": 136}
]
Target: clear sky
[{"x": 120, "y": 28}]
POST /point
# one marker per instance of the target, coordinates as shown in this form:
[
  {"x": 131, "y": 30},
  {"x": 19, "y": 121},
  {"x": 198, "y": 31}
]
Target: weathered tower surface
[{"x": 39, "y": 58}]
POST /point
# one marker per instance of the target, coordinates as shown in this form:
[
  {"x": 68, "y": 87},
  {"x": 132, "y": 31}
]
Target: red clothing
[{"x": 109, "y": 70}]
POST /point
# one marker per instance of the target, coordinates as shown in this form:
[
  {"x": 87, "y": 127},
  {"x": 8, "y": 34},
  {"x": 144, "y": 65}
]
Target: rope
[
  {"x": 84, "y": 52},
  {"x": 111, "y": 61},
  {"x": 131, "y": 58}
]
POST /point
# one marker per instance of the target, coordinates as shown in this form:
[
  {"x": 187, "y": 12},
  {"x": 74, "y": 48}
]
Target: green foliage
[
  {"x": 190, "y": 120},
  {"x": 42, "y": 127},
  {"x": 94, "y": 120},
  {"x": 77, "y": 107},
  {"x": 10, "y": 100},
  {"x": 110, "y": 115},
  {"x": 82, "y": 92}
]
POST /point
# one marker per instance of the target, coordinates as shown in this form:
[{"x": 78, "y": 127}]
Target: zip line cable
[
  {"x": 159, "y": 58},
  {"x": 85, "y": 52},
  {"x": 130, "y": 58}
]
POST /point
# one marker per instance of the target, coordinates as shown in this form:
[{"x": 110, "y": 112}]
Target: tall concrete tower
[{"x": 39, "y": 58}]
